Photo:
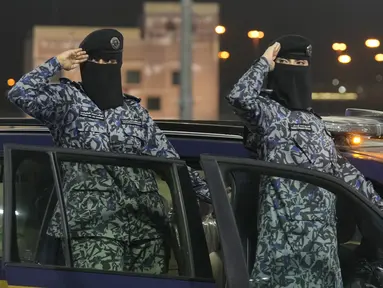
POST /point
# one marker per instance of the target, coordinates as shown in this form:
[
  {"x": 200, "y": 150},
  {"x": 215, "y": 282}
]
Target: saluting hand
[
  {"x": 271, "y": 53},
  {"x": 71, "y": 59}
]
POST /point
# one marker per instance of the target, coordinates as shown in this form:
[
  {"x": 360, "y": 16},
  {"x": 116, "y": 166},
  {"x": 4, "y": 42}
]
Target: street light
[
  {"x": 186, "y": 57},
  {"x": 11, "y": 82},
  {"x": 339, "y": 47},
  {"x": 344, "y": 59},
  {"x": 254, "y": 34},
  {"x": 220, "y": 29},
  {"x": 372, "y": 43},
  {"x": 379, "y": 57},
  {"x": 223, "y": 55}
]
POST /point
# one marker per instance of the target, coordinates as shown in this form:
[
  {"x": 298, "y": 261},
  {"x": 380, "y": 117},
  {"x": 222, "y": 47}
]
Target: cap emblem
[
  {"x": 115, "y": 43},
  {"x": 309, "y": 50}
]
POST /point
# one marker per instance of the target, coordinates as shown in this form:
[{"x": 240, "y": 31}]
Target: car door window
[
  {"x": 242, "y": 175},
  {"x": 37, "y": 176}
]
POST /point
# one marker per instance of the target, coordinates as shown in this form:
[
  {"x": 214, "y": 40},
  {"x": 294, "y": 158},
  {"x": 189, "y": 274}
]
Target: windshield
[{"x": 346, "y": 60}]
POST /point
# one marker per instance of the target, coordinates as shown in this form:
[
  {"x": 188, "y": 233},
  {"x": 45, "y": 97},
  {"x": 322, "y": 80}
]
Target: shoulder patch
[
  {"x": 300, "y": 127},
  {"x": 132, "y": 98}
]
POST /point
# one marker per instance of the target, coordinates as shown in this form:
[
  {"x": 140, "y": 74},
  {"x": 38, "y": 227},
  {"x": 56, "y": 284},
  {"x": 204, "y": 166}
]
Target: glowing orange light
[
  {"x": 335, "y": 46},
  {"x": 220, "y": 29},
  {"x": 11, "y": 82},
  {"x": 224, "y": 55},
  {"x": 356, "y": 140},
  {"x": 344, "y": 59},
  {"x": 254, "y": 34},
  {"x": 339, "y": 47},
  {"x": 379, "y": 57},
  {"x": 372, "y": 43}
]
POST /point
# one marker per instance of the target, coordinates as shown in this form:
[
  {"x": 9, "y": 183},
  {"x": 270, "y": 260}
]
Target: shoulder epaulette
[
  {"x": 311, "y": 110},
  {"x": 267, "y": 92},
  {"x": 132, "y": 98},
  {"x": 66, "y": 80}
]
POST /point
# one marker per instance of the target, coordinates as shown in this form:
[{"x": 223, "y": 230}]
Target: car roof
[{"x": 201, "y": 126}]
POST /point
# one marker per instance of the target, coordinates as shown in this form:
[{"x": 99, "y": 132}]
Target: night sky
[{"x": 324, "y": 22}]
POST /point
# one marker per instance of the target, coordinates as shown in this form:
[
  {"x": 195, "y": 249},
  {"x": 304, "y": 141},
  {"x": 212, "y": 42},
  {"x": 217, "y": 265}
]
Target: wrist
[
  {"x": 59, "y": 61},
  {"x": 266, "y": 60},
  {"x": 265, "y": 63}
]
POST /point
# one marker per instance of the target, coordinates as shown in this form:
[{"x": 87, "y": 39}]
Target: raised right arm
[
  {"x": 245, "y": 97},
  {"x": 36, "y": 97}
]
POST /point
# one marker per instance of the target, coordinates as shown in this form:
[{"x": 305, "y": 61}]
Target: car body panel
[
  {"x": 62, "y": 278},
  {"x": 190, "y": 139}
]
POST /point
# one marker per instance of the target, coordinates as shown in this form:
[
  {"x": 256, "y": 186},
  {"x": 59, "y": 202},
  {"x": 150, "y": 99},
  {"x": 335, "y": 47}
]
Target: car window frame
[
  {"x": 186, "y": 203},
  {"x": 217, "y": 168}
]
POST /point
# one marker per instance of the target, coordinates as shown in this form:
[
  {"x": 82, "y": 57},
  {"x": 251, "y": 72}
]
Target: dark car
[{"x": 32, "y": 187}]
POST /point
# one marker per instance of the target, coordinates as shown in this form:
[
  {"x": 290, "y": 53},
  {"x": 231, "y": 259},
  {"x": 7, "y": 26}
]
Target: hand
[
  {"x": 271, "y": 53},
  {"x": 71, "y": 59}
]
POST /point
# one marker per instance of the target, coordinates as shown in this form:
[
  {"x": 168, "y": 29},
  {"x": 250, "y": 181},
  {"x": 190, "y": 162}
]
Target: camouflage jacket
[
  {"x": 76, "y": 122},
  {"x": 297, "y": 240}
]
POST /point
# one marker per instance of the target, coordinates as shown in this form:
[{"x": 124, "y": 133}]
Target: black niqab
[
  {"x": 102, "y": 82},
  {"x": 291, "y": 84}
]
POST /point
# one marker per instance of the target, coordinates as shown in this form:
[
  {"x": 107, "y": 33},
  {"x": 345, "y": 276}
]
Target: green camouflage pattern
[{"x": 108, "y": 254}]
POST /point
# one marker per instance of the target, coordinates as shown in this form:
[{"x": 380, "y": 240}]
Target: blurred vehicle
[{"x": 32, "y": 187}]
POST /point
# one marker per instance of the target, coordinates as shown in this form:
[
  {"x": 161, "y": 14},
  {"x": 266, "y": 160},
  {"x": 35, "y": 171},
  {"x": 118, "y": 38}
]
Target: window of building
[
  {"x": 154, "y": 103},
  {"x": 176, "y": 78},
  {"x": 133, "y": 76}
]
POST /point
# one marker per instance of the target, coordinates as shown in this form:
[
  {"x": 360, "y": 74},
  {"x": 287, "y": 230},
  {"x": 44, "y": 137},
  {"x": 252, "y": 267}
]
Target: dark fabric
[
  {"x": 104, "y": 43},
  {"x": 294, "y": 47},
  {"x": 367, "y": 275},
  {"x": 51, "y": 252},
  {"x": 102, "y": 82},
  {"x": 291, "y": 84}
]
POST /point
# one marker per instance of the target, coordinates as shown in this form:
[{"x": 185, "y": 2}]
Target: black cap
[
  {"x": 294, "y": 46},
  {"x": 103, "y": 44}
]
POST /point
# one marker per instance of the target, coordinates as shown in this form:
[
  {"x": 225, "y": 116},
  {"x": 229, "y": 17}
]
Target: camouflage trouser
[{"x": 145, "y": 256}]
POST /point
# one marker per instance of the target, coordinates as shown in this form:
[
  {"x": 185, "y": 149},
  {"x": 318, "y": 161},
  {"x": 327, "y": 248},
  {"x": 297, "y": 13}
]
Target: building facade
[{"x": 151, "y": 68}]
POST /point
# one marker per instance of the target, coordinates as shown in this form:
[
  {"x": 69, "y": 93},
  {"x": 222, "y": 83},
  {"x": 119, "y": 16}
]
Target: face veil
[
  {"x": 102, "y": 82},
  {"x": 292, "y": 84}
]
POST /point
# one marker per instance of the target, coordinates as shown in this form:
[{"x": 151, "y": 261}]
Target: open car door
[
  {"x": 240, "y": 209},
  {"x": 33, "y": 188}
]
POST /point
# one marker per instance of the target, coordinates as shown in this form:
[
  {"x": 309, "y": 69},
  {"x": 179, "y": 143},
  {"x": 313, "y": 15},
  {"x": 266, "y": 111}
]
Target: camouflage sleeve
[
  {"x": 158, "y": 145},
  {"x": 245, "y": 97},
  {"x": 36, "y": 97},
  {"x": 352, "y": 176}
]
